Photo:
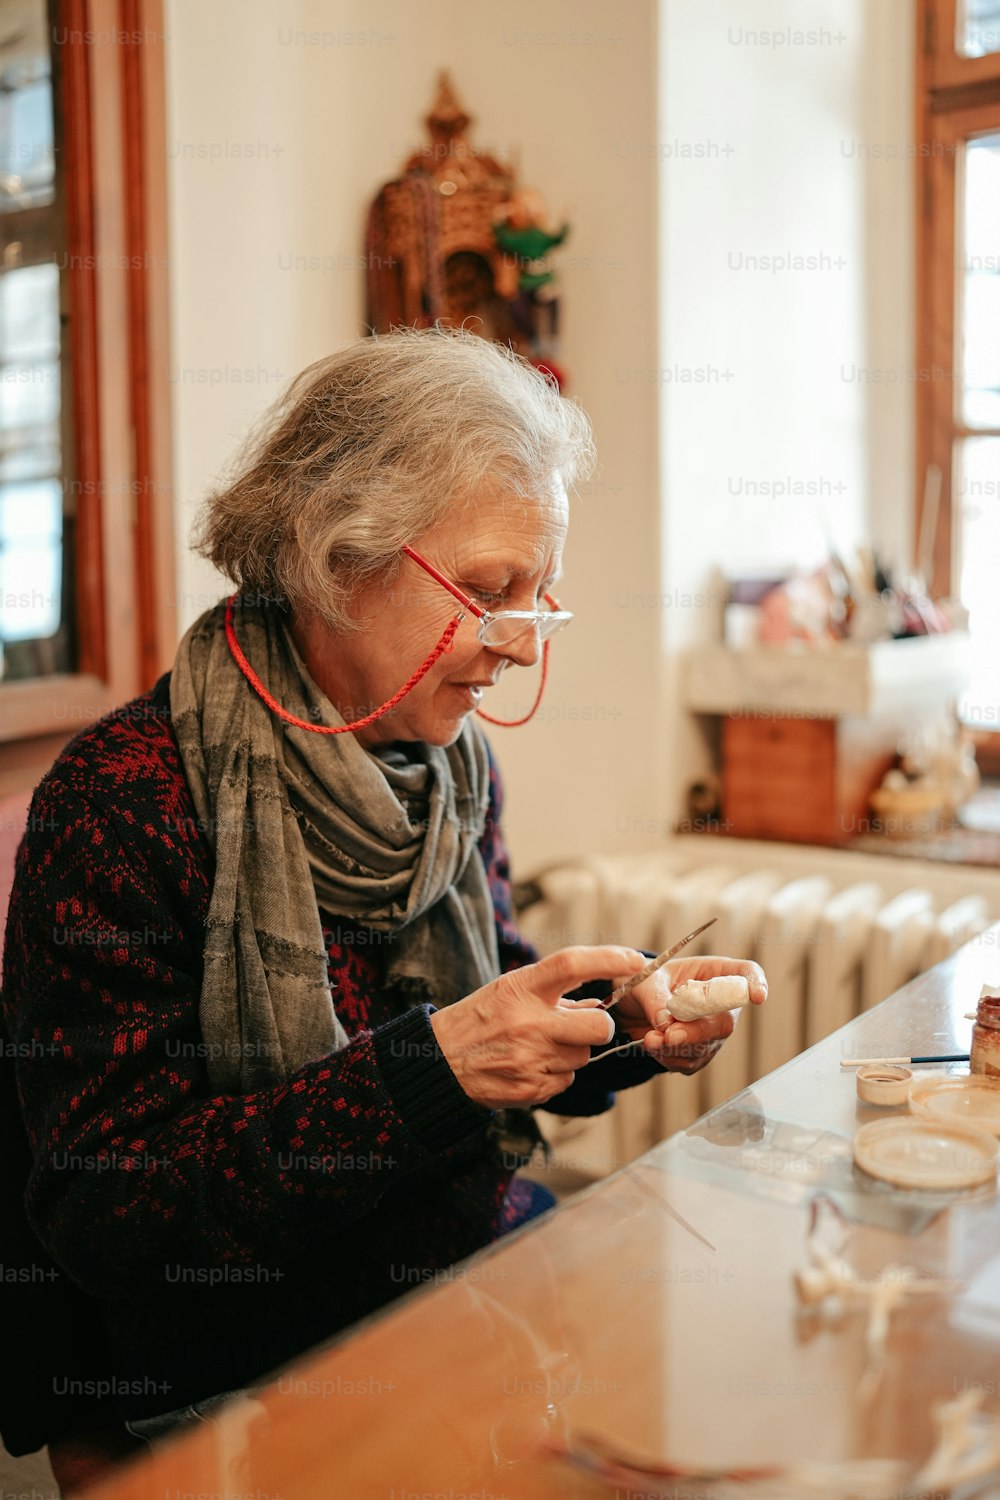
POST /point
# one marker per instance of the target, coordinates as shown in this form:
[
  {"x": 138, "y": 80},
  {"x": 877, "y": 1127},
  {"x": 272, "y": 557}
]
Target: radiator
[{"x": 835, "y": 932}]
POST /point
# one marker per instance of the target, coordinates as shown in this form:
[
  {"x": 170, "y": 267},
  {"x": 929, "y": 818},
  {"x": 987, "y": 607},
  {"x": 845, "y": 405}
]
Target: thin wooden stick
[
  {"x": 864, "y": 1062},
  {"x": 652, "y": 966}
]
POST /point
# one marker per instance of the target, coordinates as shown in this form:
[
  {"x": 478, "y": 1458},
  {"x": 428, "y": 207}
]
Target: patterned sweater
[{"x": 223, "y": 1235}]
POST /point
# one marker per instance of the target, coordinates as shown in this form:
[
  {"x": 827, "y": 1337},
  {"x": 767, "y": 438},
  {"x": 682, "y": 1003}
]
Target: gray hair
[{"x": 372, "y": 446}]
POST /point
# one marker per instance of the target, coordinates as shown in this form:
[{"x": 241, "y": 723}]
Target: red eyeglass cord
[{"x": 443, "y": 645}]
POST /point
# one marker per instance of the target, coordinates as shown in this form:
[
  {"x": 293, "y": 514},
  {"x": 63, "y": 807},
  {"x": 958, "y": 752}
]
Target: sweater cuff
[{"x": 423, "y": 1087}]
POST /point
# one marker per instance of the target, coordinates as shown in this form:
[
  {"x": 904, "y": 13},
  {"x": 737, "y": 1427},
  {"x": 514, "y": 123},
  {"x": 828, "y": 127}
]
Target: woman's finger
[
  {"x": 656, "y": 1042},
  {"x": 712, "y": 1028},
  {"x": 568, "y": 1060},
  {"x": 712, "y": 965},
  {"x": 568, "y": 968},
  {"x": 579, "y": 1027}
]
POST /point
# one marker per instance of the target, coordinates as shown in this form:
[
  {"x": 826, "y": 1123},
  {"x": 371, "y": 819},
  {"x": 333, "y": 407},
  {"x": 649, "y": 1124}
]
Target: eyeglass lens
[{"x": 505, "y": 629}]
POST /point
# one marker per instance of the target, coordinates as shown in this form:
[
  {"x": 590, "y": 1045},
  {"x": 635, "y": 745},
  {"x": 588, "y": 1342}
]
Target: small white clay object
[{"x": 707, "y": 997}]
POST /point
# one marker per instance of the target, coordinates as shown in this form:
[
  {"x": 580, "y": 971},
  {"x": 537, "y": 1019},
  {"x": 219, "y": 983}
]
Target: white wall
[
  {"x": 329, "y": 119},
  {"x": 785, "y": 408},
  {"x": 329, "y": 122}
]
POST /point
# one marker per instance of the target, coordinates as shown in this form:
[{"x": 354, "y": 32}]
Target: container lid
[
  {"x": 916, "y": 1153},
  {"x": 974, "y": 1101}
]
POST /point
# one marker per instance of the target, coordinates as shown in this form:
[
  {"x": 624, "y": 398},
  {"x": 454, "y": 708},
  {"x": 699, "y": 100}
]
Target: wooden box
[{"x": 804, "y": 780}]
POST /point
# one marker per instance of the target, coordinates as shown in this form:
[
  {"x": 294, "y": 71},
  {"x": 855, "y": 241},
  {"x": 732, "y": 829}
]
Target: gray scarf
[{"x": 299, "y": 820}]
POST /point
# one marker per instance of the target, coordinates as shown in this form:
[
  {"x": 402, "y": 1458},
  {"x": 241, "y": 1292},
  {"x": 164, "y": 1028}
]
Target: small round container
[
  {"x": 984, "y": 1055},
  {"x": 909, "y": 812},
  {"x": 884, "y": 1084},
  {"x": 912, "y": 1153},
  {"x": 973, "y": 1101}
]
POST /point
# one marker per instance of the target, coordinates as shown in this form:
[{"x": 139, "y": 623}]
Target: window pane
[
  {"x": 29, "y": 314},
  {"x": 978, "y": 27},
  {"x": 31, "y": 561},
  {"x": 980, "y": 405},
  {"x": 31, "y": 512},
  {"x": 36, "y": 630},
  {"x": 27, "y": 162},
  {"x": 977, "y": 497}
]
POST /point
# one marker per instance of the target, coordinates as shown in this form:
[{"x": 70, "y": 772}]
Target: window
[
  {"x": 959, "y": 43},
  {"x": 958, "y": 323},
  {"x": 977, "y": 444},
  {"x": 978, "y": 30},
  {"x": 35, "y": 626},
  {"x": 86, "y": 527}
]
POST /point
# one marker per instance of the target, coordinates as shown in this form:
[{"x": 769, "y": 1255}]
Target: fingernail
[{"x": 676, "y": 1035}]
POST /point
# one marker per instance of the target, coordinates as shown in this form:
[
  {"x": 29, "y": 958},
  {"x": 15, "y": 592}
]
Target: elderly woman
[{"x": 290, "y": 1042}]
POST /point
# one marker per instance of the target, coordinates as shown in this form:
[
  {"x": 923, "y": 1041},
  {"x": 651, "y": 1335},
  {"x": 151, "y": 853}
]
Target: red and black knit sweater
[{"x": 223, "y": 1235}]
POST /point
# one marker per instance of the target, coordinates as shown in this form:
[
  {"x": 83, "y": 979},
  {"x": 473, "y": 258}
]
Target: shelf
[{"x": 827, "y": 683}]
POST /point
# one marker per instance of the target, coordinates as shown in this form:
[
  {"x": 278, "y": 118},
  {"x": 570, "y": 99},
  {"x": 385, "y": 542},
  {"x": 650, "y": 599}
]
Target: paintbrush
[
  {"x": 652, "y": 966},
  {"x": 863, "y": 1062}
]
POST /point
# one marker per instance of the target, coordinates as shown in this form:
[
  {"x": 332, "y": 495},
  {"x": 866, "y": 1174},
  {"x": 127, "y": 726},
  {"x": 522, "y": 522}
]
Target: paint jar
[
  {"x": 984, "y": 1056},
  {"x": 883, "y": 1084}
]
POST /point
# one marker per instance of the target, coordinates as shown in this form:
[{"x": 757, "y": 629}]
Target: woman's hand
[
  {"x": 683, "y": 1046},
  {"x": 518, "y": 1041}
]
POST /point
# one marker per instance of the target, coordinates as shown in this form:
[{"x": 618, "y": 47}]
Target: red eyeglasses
[
  {"x": 497, "y": 630},
  {"x": 507, "y": 625}
]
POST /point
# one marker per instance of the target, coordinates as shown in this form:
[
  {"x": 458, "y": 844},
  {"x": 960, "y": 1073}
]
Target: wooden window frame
[
  {"x": 953, "y": 100},
  {"x": 938, "y": 423},
  {"x": 108, "y": 69},
  {"x": 946, "y": 68},
  {"x": 956, "y": 97}
]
